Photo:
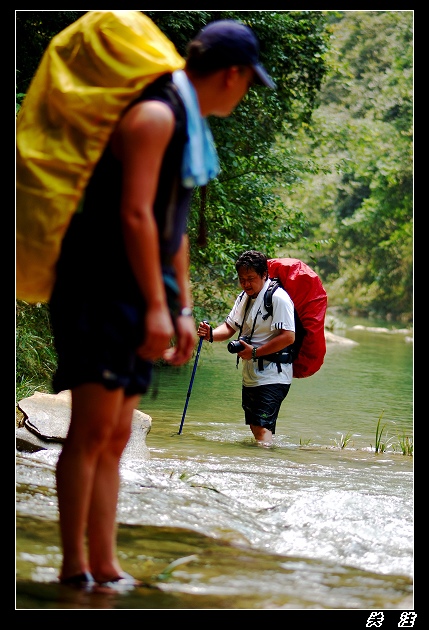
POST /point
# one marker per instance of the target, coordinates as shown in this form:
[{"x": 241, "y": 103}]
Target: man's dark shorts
[
  {"x": 96, "y": 342},
  {"x": 262, "y": 404}
]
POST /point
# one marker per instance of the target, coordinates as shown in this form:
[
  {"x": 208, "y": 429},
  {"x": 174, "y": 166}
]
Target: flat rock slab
[
  {"x": 344, "y": 341},
  {"x": 47, "y": 419}
]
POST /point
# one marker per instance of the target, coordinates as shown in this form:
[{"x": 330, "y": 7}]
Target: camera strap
[
  {"x": 242, "y": 324},
  {"x": 282, "y": 356},
  {"x": 249, "y": 299}
]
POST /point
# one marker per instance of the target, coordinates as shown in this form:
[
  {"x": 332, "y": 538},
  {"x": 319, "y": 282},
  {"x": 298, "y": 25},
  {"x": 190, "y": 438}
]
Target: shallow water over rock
[{"x": 311, "y": 523}]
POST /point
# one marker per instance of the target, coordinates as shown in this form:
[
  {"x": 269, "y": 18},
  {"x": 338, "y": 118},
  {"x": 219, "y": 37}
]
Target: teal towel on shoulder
[{"x": 200, "y": 159}]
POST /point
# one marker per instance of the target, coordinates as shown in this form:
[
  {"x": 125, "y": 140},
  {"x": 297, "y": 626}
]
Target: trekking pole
[{"x": 200, "y": 343}]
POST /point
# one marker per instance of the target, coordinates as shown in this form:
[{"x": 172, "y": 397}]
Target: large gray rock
[{"x": 47, "y": 419}]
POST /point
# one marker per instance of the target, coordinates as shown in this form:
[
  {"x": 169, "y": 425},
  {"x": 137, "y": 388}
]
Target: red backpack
[{"x": 310, "y": 300}]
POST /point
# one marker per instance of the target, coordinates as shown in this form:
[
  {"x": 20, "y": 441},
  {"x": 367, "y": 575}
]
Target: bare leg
[
  {"x": 262, "y": 435},
  {"x": 102, "y": 513},
  {"x": 96, "y": 415}
]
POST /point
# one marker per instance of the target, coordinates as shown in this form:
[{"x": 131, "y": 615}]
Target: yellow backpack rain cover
[{"x": 88, "y": 74}]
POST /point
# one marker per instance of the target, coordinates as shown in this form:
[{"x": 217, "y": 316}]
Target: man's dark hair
[{"x": 253, "y": 260}]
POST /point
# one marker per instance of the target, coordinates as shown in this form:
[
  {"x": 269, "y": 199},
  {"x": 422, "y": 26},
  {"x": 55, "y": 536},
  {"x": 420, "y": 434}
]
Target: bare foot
[{"x": 264, "y": 444}]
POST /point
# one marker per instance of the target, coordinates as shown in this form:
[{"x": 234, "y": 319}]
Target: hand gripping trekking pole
[{"x": 200, "y": 343}]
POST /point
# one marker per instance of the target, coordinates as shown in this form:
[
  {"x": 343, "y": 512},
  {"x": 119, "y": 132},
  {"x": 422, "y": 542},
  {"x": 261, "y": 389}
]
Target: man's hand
[
  {"x": 204, "y": 330},
  {"x": 247, "y": 352}
]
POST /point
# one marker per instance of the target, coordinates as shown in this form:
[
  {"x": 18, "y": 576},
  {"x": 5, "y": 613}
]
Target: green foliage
[
  {"x": 360, "y": 219},
  {"x": 320, "y": 169},
  {"x": 33, "y": 31},
  {"x": 19, "y": 98},
  {"x": 243, "y": 208},
  {"x": 35, "y": 353}
]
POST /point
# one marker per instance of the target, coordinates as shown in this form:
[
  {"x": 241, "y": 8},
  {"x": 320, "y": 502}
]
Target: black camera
[{"x": 236, "y": 346}]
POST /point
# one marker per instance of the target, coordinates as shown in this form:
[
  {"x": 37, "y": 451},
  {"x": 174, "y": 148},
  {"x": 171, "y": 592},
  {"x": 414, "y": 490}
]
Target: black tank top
[{"x": 93, "y": 247}]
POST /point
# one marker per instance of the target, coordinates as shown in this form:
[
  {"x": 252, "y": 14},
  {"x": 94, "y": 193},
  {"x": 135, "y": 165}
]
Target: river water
[{"x": 318, "y": 521}]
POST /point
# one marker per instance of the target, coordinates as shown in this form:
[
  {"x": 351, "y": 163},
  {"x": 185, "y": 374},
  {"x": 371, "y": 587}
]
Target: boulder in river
[{"x": 46, "y": 419}]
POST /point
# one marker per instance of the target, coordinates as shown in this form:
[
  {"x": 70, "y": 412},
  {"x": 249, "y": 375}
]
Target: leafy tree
[
  {"x": 361, "y": 194},
  {"x": 242, "y": 209},
  {"x": 33, "y": 31}
]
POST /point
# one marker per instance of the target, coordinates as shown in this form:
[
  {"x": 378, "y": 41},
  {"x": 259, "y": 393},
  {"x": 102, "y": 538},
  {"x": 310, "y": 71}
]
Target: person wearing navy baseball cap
[
  {"x": 226, "y": 43},
  {"x": 128, "y": 249}
]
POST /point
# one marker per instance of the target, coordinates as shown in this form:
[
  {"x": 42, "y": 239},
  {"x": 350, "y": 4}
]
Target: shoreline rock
[{"x": 46, "y": 419}]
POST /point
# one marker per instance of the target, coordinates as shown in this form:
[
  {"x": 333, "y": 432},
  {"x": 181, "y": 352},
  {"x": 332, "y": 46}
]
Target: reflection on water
[{"x": 305, "y": 524}]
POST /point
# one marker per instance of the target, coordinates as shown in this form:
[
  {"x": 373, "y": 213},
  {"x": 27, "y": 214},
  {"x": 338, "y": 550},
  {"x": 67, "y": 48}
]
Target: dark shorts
[
  {"x": 96, "y": 342},
  {"x": 262, "y": 404}
]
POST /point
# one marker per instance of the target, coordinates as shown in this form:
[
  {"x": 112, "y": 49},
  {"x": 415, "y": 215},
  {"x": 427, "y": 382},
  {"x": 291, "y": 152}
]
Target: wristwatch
[{"x": 254, "y": 357}]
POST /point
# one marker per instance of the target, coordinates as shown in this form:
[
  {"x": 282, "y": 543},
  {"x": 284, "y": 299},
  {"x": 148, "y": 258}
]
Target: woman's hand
[
  {"x": 159, "y": 331},
  {"x": 184, "y": 345}
]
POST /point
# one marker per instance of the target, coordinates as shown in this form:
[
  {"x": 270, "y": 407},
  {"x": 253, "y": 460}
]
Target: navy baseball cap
[{"x": 233, "y": 43}]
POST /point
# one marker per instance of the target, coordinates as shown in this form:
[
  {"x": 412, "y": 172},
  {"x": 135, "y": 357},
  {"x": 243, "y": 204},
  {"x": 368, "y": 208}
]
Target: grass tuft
[
  {"x": 380, "y": 445},
  {"x": 343, "y": 440},
  {"x": 406, "y": 445}
]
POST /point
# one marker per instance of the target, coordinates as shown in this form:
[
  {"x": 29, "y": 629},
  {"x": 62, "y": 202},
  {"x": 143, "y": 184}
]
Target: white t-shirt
[{"x": 264, "y": 330}]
